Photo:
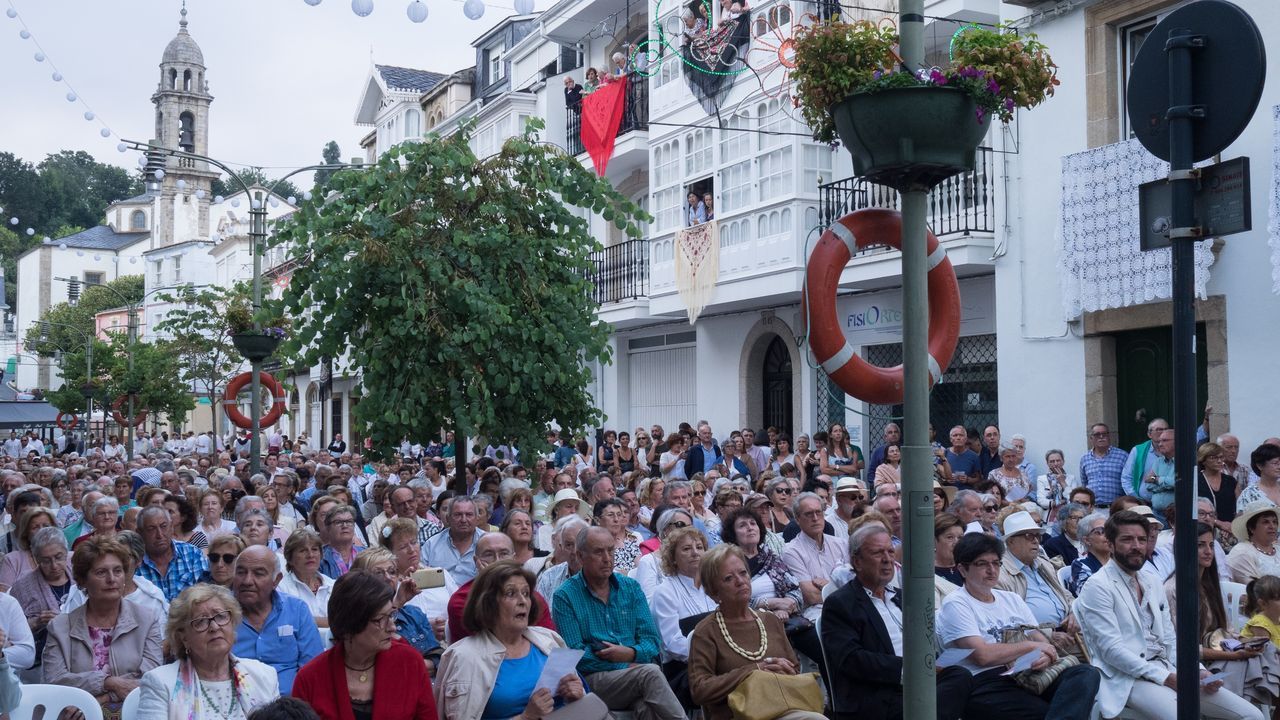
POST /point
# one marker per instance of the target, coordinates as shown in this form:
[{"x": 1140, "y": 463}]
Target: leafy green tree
[
  {"x": 196, "y": 330},
  {"x": 20, "y": 192},
  {"x": 93, "y": 300},
  {"x": 251, "y": 177},
  {"x": 457, "y": 287},
  {"x": 332, "y": 155},
  {"x": 76, "y": 189},
  {"x": 156, "y": 378}
]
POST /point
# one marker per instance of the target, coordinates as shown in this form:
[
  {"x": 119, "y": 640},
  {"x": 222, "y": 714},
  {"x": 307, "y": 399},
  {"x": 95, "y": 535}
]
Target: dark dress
[{"x": 1224, "y": 500}]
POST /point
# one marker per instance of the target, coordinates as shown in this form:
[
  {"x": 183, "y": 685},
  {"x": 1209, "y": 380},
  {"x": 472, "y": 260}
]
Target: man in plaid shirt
[
  {"x": 1102, "y": 467},
  {"x": 173, "y": 566}
]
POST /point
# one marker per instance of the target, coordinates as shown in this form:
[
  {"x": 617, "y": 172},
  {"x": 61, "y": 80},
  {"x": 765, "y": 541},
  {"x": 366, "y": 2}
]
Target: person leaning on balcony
[
  {"x": 711, "y": 208},
  {"x": 572, "y": 94},
  {"x": 696, "y": 212}
]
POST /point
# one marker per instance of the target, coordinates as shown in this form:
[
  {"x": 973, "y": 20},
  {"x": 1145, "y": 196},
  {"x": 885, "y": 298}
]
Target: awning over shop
[{"x": 26, "y": 414}]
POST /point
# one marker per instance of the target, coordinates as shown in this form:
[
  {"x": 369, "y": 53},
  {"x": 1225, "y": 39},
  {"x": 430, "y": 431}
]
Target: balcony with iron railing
[
  {"x": 635, "y": 115},
  {"x": 961, "y": 205},
  {"x": 620, "y": 273}
]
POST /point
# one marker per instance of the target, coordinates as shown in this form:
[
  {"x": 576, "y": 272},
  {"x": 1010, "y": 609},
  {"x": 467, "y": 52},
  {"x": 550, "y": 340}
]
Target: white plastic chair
[
  {"x": 1064, "y": 577},
  {"x": 129, "y": 711},
  {"x": 827, "y": 590},
  {"x": 1232, "y": 595},
  {"x": 54, "y": 698}
]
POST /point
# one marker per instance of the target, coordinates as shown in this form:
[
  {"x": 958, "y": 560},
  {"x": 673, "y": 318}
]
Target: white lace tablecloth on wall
[
  {"x": 1099, "y": 257},
  {"x": 1273, "y": 217}
]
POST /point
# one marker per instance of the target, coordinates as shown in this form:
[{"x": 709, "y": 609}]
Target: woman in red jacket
[{"x": 366, "y": 674}]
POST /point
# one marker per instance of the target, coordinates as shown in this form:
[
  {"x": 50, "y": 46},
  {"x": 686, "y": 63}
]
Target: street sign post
[
  {"x": 1181, "y": 111},
  {"x": 1222, "y": 204}
]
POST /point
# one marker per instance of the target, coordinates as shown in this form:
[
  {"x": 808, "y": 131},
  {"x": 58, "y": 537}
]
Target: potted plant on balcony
[
  {"x": 914, "y": 128},
  {"x": 254, "y": 344}
]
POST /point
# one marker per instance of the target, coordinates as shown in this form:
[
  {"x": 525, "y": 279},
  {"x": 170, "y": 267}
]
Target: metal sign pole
[
  {"x": 1183, "y": 235},
  {"x": 919, "y": 680}
]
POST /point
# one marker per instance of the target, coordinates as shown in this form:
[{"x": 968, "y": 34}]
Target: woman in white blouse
[
  {"x": 1255, "y": 555},
  {"x": 681, "y": 596},
  {"x": 302, "y": 553}
]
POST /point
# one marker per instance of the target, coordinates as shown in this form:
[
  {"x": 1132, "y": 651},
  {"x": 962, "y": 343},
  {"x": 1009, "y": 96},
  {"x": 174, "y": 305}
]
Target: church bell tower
[{"x": 182, "y": 123}]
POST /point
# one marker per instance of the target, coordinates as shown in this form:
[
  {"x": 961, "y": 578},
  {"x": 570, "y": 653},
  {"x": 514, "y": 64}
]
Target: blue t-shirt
[
  {"x": 966, "y": 463},
  {"x": 514, "y": 685}
]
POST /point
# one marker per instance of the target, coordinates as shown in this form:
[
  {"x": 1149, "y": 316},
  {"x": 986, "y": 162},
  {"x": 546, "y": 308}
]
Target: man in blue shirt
[
  {"x": 455, "y": 549},
  {"x": 1102, "y": 468},
  {"x": 276, "y": 629},
  {"x": 606, "y": 615},
  {"x": 963, "y": 461},
  {"x": 172, "y": 566}
]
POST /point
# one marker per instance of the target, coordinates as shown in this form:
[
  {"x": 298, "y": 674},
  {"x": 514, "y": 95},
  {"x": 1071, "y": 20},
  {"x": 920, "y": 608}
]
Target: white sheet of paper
[
  {"x": 1213, "y": 678},
  {"x": 952, "y": 656},
  {"x": 1023, "y": 663},
  {"x": 561, "y": 662},
  {"x": 1016, "y": 493}
]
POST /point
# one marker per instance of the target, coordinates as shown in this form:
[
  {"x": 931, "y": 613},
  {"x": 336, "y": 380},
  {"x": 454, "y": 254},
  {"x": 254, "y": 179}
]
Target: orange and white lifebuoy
[
  {"x": 64, "y": 424},
  {"x": 138, "y": 419},
  {"x": 856, "y": 231},
  {"x": 231, "y": 403}
]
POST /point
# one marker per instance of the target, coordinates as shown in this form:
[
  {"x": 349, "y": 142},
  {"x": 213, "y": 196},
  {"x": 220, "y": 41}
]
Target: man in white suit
[{"x": 1128, "y": 629}]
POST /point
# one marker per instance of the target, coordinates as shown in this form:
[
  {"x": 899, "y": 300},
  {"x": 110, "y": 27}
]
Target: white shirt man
[
  {"x": 1129, "y": 631},
  {"x": 13, "y": 446},
  {"x": 204, "y": 444},
  {"x": 812, "y": 556}
]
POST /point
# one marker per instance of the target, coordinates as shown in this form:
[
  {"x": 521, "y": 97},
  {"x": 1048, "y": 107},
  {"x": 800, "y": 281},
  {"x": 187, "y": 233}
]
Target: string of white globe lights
[{"x": 417, "y": 10}]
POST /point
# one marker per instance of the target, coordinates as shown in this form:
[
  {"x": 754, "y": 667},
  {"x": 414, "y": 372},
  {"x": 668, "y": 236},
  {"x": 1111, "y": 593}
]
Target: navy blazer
[
  {"x": 693, "y": 463},
  {"x": 1061, "y": 545}
]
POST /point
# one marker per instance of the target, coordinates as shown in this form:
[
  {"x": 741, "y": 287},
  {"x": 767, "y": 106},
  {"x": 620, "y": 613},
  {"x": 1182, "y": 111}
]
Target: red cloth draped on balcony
[{"x": 601, "y": 116}]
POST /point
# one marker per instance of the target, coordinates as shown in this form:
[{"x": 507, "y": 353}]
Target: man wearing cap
[
  {"x": 1025, "y": 572},
  {"x": 1129, "y": 631},
  {"x": 851, "y": 501}
]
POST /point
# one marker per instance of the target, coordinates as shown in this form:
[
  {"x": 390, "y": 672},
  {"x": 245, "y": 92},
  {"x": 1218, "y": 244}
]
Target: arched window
[
  {"x": 138, "y": 221},
  {"x": 173, "y": 79},
  {"x": 186, "y": 80},
  {"x": 412, "y": 124},
  {"x": 187, "y": 132}
]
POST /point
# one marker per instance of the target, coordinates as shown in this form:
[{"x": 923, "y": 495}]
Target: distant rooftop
[
  {"x": 101, "y": 237},
  {"x": 401, "y": 78}
]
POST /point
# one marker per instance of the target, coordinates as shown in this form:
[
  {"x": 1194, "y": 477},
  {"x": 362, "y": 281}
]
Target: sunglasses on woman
[{"x": 224, "y": 558}]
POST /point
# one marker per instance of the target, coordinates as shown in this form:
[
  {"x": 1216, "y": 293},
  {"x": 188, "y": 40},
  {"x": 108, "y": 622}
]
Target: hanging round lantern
[
  {"x": 417, "y": 11},
  {"x": 142, "y": 161},
  {"x": 105, "y": 132},
  {"x": 24, "y": 35},
  {"x": 235, "y": 202},
  {"x": 57, "y": 77},
  {"x": 217, "y": 199},
  {"x": 30, "y": 232},
  {"x": 312, "y": 3},
  {"x": 306, "y": 195},
  {"x": 71, "y": 97},
  {"x": 88, "y": 115},
  {"x": 120, "y": 147},
  {"x": 11, "y": 13},
  {"x": 13, "y": 221},
  {"x": 200, "y": 194},
  {"x": 39, "y": 57},
  {"x": 363, "y": 8},
  {"x": 473, "y": 9},
  {"x": 182, "y": 184},
  {"x": 159, "y": 174},
  {"x": 274, "y": 202},
  {"x": 292, "y": 200}
]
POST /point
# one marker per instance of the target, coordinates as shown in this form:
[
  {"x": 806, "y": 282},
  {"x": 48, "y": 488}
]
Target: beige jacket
[
  {"x": 1012, "y": 579},
  {"x": 469, "y": 669},
  {"x": 135, "y": 648}
]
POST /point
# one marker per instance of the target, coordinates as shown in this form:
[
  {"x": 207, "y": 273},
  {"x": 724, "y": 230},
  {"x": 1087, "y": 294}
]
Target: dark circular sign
[{"x": 1226, "y": 78}]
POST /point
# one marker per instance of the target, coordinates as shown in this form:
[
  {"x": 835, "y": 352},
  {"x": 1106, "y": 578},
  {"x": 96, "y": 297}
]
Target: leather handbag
[
  {"x": 1037, "y": 681},
  {"x": 765, "y": 696}
]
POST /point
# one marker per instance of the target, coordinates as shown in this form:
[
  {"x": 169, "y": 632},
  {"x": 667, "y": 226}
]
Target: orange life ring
[
  {"x": 138, "y": 419},
  {"x": 856, "y": 231},
  {"x": 63, "y": 424},
  {"x": 231, "y": 402}
]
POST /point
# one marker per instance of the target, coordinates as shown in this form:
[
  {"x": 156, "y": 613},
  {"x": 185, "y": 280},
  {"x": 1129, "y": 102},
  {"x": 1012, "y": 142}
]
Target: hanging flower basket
[
  {"x": 255, "y": 347},
  {"x": 910, "y": 138}
]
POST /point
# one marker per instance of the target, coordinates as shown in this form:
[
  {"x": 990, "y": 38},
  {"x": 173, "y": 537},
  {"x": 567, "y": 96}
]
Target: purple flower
[
  {"x": 876, "y": 75},
  {"x": 993, "y": 87},
  {"x": 1008, "y": 104},
  {"x": 937, "y": 77}
]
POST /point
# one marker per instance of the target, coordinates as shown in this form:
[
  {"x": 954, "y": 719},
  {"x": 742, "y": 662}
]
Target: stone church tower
[{"x": 182, "y": 123}]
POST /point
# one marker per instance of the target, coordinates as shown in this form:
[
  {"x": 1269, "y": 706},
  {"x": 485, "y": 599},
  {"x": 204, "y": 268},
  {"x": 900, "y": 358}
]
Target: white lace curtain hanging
[{"x": 1100, "y": 262}]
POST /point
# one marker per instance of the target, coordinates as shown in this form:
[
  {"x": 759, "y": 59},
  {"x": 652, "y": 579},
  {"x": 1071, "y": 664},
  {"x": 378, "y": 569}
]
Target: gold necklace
[
  {"x": 756, "y": 656},
  {"x": 364, "y": 671}
]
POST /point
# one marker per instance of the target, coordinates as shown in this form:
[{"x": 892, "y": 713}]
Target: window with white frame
[
  {"x": 735, "y": 187},
  {"x": 1131, "y": 37},
  {"x": 94, "y": 278},
  {"x": 157, "y": 274},
  {"x": 817, "y": 167},
  {"x": 698, "y": 152},
  {"x": 772, "y": 121},
  {"x": 668, "y": 70},
  {"x": 735, "y": 140},
  {"x": 666, "y": 164},
  {"x": 666, "y": 209},
  {"x": 497, "y": 68},
  {"x": 177, "y": 269},
  {"x": 776, "y": 174},
  {"x": 412, "y": 123}
]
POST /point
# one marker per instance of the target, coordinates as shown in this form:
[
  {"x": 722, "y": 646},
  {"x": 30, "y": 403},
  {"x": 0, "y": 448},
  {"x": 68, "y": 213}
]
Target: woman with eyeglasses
[
  {"x": 1066, "y": 544},
  {"x": 1215, "y": 483},
  {"x": 412, "y": 624},
  {"x": 1097, "y": 551},
  {"x": 104, "y": 646},
  {"x": 340, "y": 550},
  {"x": 780, "y": 492},
  {"x": 40, "y": 593},
  {"x": 976, "y": 617},
  {"x": 206, "y": 682},
  {"x": 680, "y": 597},
  {"x": 492, "y": 673},
  {"x": 699, "y": 499},
  {"x": 649, "y": 571},
  {"x": 222, "y": 553},
  {"x": 368, "y": 672},
  {"x": 612, "y": 515}
]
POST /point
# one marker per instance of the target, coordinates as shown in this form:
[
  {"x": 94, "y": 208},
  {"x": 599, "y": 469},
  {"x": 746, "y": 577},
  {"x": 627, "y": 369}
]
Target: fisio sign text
[{"x": 874, "y": 316}]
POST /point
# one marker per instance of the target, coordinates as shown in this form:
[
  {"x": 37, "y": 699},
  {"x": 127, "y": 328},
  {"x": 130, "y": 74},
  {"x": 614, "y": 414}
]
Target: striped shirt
[{"x": 186, "y": 567}]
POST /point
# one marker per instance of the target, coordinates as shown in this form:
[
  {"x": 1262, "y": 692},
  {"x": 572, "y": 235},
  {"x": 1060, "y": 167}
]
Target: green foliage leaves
[
  {"x": 1019, "y": 64},
  {"x": 833, "y": 60},
  {"x": 457, "y": 286},
  {"x": 80, "y": 317},
  {"x": 195, "y": 329}
]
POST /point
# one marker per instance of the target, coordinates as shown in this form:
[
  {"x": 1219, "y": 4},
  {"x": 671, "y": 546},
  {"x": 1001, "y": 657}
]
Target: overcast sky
[{"x": 285, "y": 76}]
